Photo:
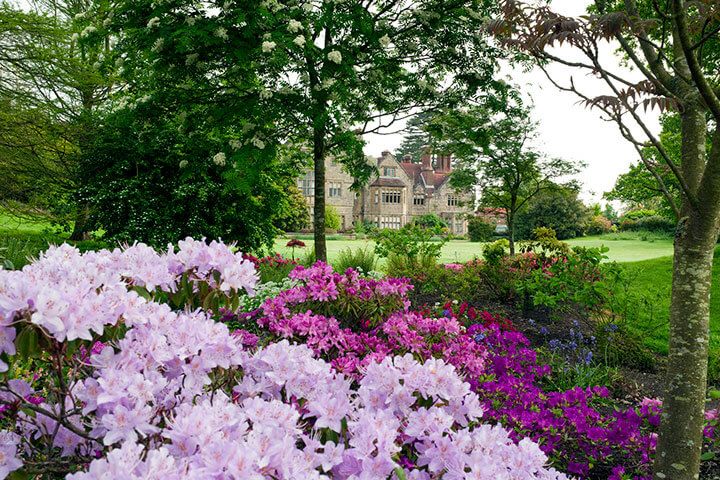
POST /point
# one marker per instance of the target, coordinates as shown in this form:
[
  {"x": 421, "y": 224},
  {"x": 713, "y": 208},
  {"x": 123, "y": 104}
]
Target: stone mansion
[{"x": 402, "y": 190}]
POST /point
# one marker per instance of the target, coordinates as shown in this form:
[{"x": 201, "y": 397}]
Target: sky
[{"x": 566, "y": 129}]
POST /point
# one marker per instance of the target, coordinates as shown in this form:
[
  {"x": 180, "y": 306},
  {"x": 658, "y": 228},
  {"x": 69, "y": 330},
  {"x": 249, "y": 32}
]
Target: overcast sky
[{"x": 567, "y": 129}]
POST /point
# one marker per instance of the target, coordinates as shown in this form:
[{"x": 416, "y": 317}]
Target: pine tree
[{"x": 415, "y": 138}]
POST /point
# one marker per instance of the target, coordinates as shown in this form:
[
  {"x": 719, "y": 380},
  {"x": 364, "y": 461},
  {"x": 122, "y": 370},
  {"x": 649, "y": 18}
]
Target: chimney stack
[
  {"x": 426, "y": 158},
  {"x": 443, "y": 163}
]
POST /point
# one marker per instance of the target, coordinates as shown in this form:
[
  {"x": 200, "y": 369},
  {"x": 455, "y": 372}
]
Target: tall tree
[
  {"x": 51, "y": 85},
  {"x": 673, "y": 44},
  {"x": 339, "y": 70},
  {"x": 493, "y": 152},
  {"x": 195, "y": 99}
]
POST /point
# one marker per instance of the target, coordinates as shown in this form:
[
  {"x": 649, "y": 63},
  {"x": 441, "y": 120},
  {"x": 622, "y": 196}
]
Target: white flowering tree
[
  {"x": 318, "y": 74},
  {"x": 341, "y": 69}
]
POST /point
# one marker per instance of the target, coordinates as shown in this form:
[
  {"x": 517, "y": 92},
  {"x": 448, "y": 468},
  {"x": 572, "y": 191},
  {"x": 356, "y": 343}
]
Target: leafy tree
[
  {"x": 316, "y": 73},
  {"x": 431, "y": 221},
  {"x": 332, "y": 219},
  {"x": 148, "y": 180},
  {"x": 51, "y": 89},
  {"x": 296, "y": 217},
  {"x": 610, "y": 213},
  {"x": 479, "y": 230},
  {"x": 494, "y": 154},
  {"x": 338, "y": 70},
  {"x": 674, "y": 45},
  {"x": 558, "y": 209},
  {"x": 191, "y": 70}
]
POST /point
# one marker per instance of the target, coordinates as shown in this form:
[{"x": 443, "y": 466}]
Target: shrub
[
  {"x": 121, "y": 368},
  {"x": 296, "y": 216},
  {"x": 494, "y": 252},
  {"x": 639, "y": 213},
  {"x": 559, "y": 210},
  {"x": 545, "y": 244},
  {"x": 564, "y": 282},
  {"x": 139, "y": 356},
  {"x": 598, "y": 225},
  {"x": 362, "y": 259},
  {"x": 411, "y": 245},
  {"x": 431, "y": 221},
  {"x": 479, "y": 230},
  {"x": 273, "y": 268},
  {"x": 654, "y": 224},
  {"x": 332, "y": 219},
  {"x": 365, "y": 227}
]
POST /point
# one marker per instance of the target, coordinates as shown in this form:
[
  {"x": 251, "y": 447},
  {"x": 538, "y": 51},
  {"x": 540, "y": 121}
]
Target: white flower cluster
[
  {"x": 335, "y": 56},
  {"x": 295, "y": 26},
  {"x": 219, "y": 159},
  {"x": 268, "y": 46}
]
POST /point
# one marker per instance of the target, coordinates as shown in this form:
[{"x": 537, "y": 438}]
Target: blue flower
[
  {"x": 555, "y": 343},
  {"x": 544, "y": 331},
  {"x": 447, "y": 313},
  {"x": 588, "y": 357},
  {"x": 479, "y": 337}
]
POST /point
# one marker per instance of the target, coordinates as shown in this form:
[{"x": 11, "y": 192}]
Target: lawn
[
  {"x": 622, "y": 248},
  {"x": 21, "y": 240},
  {"x": 649, "y": 282},
  {"x": 9, "y": 225}
]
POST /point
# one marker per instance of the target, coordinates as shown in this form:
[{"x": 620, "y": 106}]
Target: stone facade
[
  {"x": 402, "y": 190},
  {"x": 337, "y": 192}
]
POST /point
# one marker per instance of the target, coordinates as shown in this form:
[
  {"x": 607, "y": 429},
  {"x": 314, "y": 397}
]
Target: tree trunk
[
  {"x": 80, "y": 227},
  {"x": 511, "y": 232},
  {"x": 679, "y": 446},
  {"x": 319, "y": 209},
  {"x": 680, "y": 441}
]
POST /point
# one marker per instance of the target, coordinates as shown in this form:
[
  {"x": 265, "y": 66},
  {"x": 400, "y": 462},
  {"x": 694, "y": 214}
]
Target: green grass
[
  {"x": 23, "y": 240},
  {"x": 14, "y": 225},
  {"x": 621, "y": 250},
  {"x": 650, "y": 281}
]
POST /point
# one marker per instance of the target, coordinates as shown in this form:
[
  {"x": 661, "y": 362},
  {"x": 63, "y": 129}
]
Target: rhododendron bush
[
  {"x": 134, "y": 377},
  {"x": 579, "y": 429}
]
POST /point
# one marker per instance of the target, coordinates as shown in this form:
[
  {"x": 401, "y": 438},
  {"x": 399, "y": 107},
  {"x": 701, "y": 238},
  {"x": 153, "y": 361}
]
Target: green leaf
[
  {"x": 707, "y": 456},
  {"x": 400, "y": 473},
  {"x": 27, "y": 342},
  {"x": 19, "y": 475}
]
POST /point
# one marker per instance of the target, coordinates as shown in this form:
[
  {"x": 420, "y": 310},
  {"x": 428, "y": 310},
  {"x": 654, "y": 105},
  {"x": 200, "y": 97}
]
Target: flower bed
[
  {"x": 580, "y": 429},
  {"x": 141, "y": 378},
  {"x": 138, "y": 383}
]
